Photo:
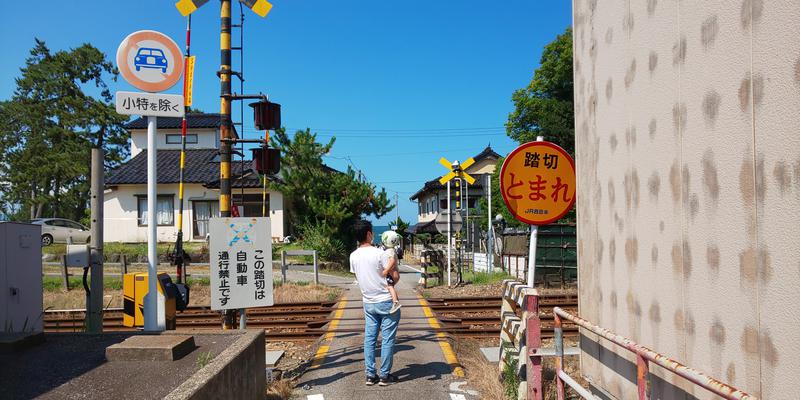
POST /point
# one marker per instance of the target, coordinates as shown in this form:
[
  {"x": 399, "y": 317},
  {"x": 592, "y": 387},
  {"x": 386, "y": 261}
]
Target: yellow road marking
[
  {"x": 447, "y": 350},
  {"x": 325, "y": 346}
]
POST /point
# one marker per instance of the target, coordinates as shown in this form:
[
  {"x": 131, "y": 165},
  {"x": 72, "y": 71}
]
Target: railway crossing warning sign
[
  {"x": 260, "y": 7},
  {"x": 456, "y": 170},
  {"x": 240, "y": 263},
  {"x": 538, "y": 182}
]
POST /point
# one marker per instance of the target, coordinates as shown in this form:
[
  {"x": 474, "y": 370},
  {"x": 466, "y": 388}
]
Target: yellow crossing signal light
[{"x": 260, "y": 7}]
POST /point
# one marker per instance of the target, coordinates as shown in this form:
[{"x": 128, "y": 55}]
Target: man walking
[{"x": 366, "y": 261}]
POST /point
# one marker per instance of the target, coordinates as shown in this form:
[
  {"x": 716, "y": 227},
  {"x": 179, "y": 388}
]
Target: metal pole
[
  {"x": 449, "y": 231},
  {"x": 154, "y": 314},
  {"x": 489, "y": 236},
  {"x": 95, "y": 320},
  {"x": 532, "y": 255},
  {"x": 226, "y": 130},
  {"x": 179, "y": 261},
  {"x": 642, "y": 370},
  {"x": 316, "y": 269},
  {"x": 533, "y": 341},
  {"x": 466, "y": 220},
  {"x": 558, "y": 339}
]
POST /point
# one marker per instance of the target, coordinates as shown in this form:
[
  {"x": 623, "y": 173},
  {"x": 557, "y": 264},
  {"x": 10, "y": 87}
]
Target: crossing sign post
[
  {"x": 457, "y": 171},
  {"x": 537, "y": 182},
  {"x": 152, "y": 62}
]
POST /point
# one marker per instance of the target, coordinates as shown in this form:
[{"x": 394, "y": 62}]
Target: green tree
[
  {"x": 48, "y": 127},
  {"x": 321, "y": 200},
  {"x": 402, "y": 226},
  {"x": 498, "y": 206},
  {"x": 545, "y": 107}
]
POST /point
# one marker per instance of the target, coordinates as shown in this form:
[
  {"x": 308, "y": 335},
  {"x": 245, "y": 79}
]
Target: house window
[
  {"x": 420, "y": 208},
  {"x": 251, "y": 203},
  {"x": 165, "y": 211},
  {"x": 203, "y": 211},
  {"x": 443, "y": 204},
  {"x": 176, "y": 139}
]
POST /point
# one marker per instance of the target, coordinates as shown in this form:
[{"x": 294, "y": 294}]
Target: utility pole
[
  {"x": 397, "y": 208},
  {"x": 489, "y": 236},
  {"x": 449, "y": 232},
  {"x": 226, "y": 127},
  {"x": 95, "y": 306}
]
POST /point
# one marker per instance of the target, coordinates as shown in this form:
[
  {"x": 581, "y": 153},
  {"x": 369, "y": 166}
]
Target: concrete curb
[{"x": 238, "y": 372}]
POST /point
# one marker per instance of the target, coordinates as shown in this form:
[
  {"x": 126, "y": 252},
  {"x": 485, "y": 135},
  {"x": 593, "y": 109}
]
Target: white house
[
  {"x": 433, "y": 195},
  {"x": 125, "y": 205}
]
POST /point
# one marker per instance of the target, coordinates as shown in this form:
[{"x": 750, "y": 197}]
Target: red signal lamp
[{"x": 267, "y": 116}]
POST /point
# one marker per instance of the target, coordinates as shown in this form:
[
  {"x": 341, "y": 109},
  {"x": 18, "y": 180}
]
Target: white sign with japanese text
[
  {"x": 240, "y": 263},
  {"x": 150, "y": 104}
]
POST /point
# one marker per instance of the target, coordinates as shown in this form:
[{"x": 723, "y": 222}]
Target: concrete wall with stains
[{"x": 687, "y": 117}]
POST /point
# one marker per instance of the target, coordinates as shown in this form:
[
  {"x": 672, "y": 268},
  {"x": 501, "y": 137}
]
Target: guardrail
[
  {"x": 436, "y": 259},
  {"x": 644, "y": 356},
  {"x": 294, "y": 253},
  {"x": 519, "y": 315}
]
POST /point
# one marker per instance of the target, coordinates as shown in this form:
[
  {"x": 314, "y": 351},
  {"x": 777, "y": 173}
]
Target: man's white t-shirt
[{"x": 367, "y": 264}]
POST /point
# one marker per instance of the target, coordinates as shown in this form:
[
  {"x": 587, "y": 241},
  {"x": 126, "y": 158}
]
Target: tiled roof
[
  {"x": 193, "y": 120},
  {"x": 201, "y": 166}
]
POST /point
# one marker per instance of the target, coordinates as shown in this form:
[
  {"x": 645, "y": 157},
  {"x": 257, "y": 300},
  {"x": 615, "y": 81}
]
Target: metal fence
[{"x": 644, "y": 356}]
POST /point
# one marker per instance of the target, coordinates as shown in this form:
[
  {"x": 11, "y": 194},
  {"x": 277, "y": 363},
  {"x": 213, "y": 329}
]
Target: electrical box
[
  {"x": 135, "y": 287},
  {"x": 77, "y": 255},
  {"x": 21, "y": 278}
]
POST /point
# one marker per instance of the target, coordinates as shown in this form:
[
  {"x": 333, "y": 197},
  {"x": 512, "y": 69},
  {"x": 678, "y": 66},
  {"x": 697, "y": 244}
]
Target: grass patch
[
  {"x": 203, "y": 359},
  {"x": 54, "y": 284},
  {"x": 198, "y": 281},
  {"x": 277, "y": 284},
  {"x": 481, "y": 375},
  {"x": 132, "y": 249},
  {"x": 510, "y": 379},
  {"x": 485, "y": 278}
]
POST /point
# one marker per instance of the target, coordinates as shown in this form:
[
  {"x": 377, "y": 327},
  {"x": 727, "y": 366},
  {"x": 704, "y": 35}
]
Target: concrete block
[
  {"x": 151, "y": 348},
  {"x": 491, "y": 354},
  {"x": 272, "y": 357}
]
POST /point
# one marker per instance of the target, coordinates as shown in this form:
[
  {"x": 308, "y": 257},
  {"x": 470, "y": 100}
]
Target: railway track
[
  {"x": 296, "y": 321},
  {"x": 478, "y": 317},
  {"x": 475, "y": 317}
]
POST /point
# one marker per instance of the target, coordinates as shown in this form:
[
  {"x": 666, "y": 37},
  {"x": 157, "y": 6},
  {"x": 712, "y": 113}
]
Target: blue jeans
[{"x": 377, "y": 315}]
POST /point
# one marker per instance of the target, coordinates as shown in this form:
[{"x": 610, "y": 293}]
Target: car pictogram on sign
[{"x": 148, "y": 57}]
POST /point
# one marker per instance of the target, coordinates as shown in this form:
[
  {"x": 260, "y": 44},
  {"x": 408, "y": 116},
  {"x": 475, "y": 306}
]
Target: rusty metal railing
[{"x": 644, "y": 356}]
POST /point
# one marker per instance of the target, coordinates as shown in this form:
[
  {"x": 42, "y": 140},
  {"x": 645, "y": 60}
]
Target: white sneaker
[{"x": 395, "y": 307}]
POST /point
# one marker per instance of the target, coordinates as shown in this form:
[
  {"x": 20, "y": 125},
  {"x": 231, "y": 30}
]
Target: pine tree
[
  {"x": 48, "y": 128},
  {"x": 321, "y": 201}
]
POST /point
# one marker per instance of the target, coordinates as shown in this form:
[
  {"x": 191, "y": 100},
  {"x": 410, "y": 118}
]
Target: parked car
[{"x": 59, "y": 230}]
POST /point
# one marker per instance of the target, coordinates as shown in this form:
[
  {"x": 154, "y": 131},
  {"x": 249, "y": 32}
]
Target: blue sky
[{"x": 399, "y": 84}]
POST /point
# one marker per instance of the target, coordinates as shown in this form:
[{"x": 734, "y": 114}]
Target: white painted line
[
  {"x": 316, "y": 397},
  {"x": 456, "y": 387},
  {"x": 412, "y": 268},
  {"x": 454, "y": 396}
]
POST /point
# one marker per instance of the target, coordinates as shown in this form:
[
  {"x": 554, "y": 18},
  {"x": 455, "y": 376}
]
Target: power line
[{"x": 491, "y": 128}]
